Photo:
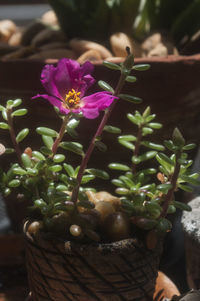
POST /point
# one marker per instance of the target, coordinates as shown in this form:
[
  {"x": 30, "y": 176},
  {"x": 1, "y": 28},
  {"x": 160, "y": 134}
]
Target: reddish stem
[
  {"x": 13, "y": 136},
  {"x": 170, "y": 192},
  {"x": 60, "y": 135},
  {"x": 137, "y": 147},
  {"x": 98, "y": 133}
]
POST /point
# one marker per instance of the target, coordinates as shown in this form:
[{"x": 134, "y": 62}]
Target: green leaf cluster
[{"x": 145, "y": 190}]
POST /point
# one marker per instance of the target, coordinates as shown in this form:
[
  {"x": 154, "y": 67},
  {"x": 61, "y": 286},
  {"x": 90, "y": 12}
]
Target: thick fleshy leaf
[
  {"x": 111, "y": 65},
  {"x": 105, "y": 86},
  {"x": 127, "y": 138},
  {"x": 98, "y": 173},
  {"x": 101, "y": 146},
  {"x": 152, "y": 145},
  {"x": 118, "y": 166},
  {"x": 26, "y": 160},
  {"x": 182, "y": 206},
  {"x": 58, "y": 158},
  {"x": 14, "y": 183},
  {"x": 17, "y": 102},
  {"x": 46, "y": 132},
  {"x": 130, "y": 98},
  {"x": 141, "y": 67},
  {"x": 73, "y": 147},
  {"x": 87, "y": 178},
  {"x": 46, "y": 151},
  {"x": 4, "y": 126},
  {"x": 112, "y": 129},
  {"x": 127, "y": 144},
  {"x": 38, "y": 155},
  {"x": 22, "y": 135},
  {"x": 69, "y": 169},
  {"x": 20, "y": 112},
  {"x": 131, "y": 79},
  {"x": 55, "y": 168}
]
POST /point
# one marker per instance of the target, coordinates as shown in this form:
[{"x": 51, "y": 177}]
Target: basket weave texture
[{"x": 123, "y": 270}]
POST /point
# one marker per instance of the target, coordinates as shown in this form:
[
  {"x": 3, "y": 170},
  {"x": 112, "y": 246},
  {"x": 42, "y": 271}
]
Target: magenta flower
[{"x": 66, "y": 85}]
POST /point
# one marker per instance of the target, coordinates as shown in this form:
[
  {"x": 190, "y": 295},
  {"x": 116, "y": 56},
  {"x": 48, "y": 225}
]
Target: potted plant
[{"x": 83, "y": 244}]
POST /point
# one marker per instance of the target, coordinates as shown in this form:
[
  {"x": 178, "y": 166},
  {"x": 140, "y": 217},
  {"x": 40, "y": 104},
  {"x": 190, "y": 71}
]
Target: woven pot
[{"x": 60, "y": 271}]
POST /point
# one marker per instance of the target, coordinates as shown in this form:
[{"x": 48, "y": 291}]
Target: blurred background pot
[{"x": 191, "y": 228}]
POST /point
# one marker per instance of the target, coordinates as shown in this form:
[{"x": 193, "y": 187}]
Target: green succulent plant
[{"x": 62, "y": 195}]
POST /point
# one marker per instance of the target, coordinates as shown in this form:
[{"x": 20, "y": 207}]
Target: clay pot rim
[
  {"x": 121, "y": 246},
  {"x": 164, "y": 59}
]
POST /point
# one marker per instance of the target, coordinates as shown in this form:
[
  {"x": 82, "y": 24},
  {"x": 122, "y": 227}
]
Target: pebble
[
  {"x": 119, "y": 41},
  {"x": 48, "y": 35},
  {"x": 5, "y": 48},
  {"x": 57, "y": 53},
  {"x": 7, "y": 28},
  {"x": 49, "y": 18},
  {"x": 90, "y": 55},
  {"x": 151, "y": 42},
  {"x": 81, "y": 46},
  {"x": 31, "y": 31},
  {"x": 163, "y": 50},
  {"x": 15, "y": 39},
  {"x": 104, "y": 208},
  {"x": 53, "y": 45},
  {"x": 22, "y": 52},
  {"x": 158, "y": 45},
  {"x": 117, "y": 226}
]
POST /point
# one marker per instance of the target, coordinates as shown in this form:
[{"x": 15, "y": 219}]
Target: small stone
[
  {"x": 114, "y": 59},
  {"x": 90, "y": 55},
  {"x": 46, "y": 36},
  {"x": 119, "y": 41},
  {"x": 5, "y": 48},
  {"x": 81, "y": 46},
  {"x": 30, "y": 31},
  {"x": 53, "y": 45},
  {"x": 49, "y": 18},
  {"x": 2, "y": 149},
  {"x": 34, "y": 227},
  {"x": 58, "y": 53},
  {"x": 107, "y": 197},
  {"x": 104, "y": 208},
  {"x": 151, "y": 42},
  {"x": 22, "y": 52},
  {"x": 7, "y": 28},
  {"x": 158, "y": 44},
  {"x": 117, "y": 226},
  {"x": 75, "y": 230},
  {"x": 15, "y": 39}
]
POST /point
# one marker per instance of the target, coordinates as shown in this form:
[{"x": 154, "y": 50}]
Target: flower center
[{"x": 72, "y": 99}]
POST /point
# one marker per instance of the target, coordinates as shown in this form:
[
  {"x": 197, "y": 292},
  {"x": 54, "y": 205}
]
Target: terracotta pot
[
  {"x": 59, "y": 271},
  {"x": 191, "y": 227}
]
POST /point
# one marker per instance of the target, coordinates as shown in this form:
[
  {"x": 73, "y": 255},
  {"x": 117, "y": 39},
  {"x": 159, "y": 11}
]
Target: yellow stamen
[{"x": 72, "y": 99}]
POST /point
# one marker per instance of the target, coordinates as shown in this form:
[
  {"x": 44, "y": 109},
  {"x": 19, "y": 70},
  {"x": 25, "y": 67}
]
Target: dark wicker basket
[{"x": 124, "y": 270}]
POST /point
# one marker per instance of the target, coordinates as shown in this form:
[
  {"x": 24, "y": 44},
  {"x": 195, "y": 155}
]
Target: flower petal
[
  {"x": 48, "y": 80},
  {"x": 96, "y": 102},
  {"x": 67, "y": 75},
  {"x": 54, "y": 101}
]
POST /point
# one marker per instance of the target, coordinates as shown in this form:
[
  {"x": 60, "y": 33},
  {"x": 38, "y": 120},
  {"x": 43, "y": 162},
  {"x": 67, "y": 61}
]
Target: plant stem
[
  {"x": 100, "y": 128},
  {"x": 13, "y": 136},
  {"x": 137, "y": 147},
  {"x": 170, "y": 192},
  {"x": 60, "y": 135}
]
